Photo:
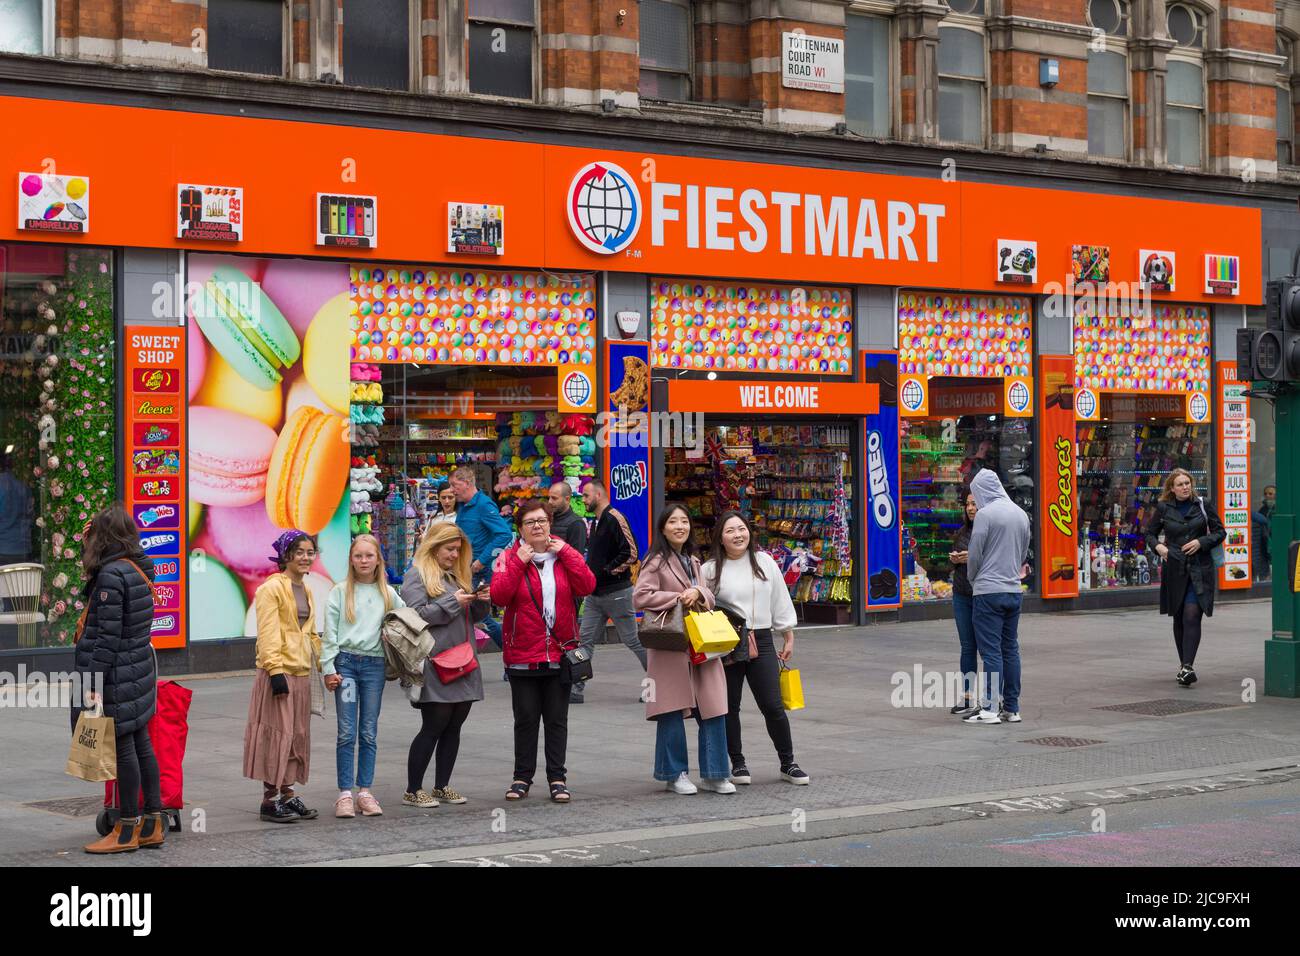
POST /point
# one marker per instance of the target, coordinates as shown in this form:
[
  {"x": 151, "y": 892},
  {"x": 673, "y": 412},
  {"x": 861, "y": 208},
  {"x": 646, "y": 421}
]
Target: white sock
[{"x": 345, "y": 793}]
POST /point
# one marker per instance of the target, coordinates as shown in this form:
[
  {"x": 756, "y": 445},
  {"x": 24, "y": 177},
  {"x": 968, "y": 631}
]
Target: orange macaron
[{"x": 309, "y": 470}]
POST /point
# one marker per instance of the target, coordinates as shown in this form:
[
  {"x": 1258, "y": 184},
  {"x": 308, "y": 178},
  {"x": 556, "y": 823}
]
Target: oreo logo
[{"x": 882, "y": 502}]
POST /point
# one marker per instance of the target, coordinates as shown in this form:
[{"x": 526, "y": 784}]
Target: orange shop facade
[{"x": 832, "y": 352}]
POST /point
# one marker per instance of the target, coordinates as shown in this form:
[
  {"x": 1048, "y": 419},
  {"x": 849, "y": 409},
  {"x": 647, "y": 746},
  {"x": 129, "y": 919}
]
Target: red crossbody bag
[{"x": 455, "y": 662}]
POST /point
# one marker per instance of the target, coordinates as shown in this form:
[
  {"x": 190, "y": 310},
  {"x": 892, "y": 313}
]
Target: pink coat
[{"x": 678, "y": 685}]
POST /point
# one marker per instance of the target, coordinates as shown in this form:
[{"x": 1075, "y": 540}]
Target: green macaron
[
  {"x": 241, "y": 322},
  {"x": 217, "y": 602}
]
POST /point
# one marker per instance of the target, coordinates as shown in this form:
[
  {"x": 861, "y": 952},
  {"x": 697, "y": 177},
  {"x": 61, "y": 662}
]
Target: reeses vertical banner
[
  {"x": 1057, "y": 465},
  {"x": 154, "y": 439}
]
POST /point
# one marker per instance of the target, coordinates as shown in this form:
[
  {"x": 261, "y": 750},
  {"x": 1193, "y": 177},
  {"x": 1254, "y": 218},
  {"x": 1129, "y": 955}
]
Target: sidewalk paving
[{"x": 859, "y": 749}]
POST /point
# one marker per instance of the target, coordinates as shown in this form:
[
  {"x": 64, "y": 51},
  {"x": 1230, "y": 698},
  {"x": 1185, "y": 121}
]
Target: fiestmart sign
[{"x": 812, "y": 63}]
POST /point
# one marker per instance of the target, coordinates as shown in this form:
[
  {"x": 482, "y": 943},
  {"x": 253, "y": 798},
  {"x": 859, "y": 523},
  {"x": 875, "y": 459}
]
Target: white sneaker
[
  {"x": 983, "y": 717},
  {"x": 1009, "y": 716},
  {"x": 719, "y": 786},
  {"x": 681, "y": 785}
]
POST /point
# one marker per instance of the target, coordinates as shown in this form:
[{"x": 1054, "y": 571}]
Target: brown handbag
[{"x": 664, "y": 630}]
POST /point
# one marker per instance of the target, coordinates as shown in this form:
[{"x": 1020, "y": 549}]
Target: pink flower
[
  {"x": 60, "y": 607},
  {"x": 80, "y": 499},
  {"x": 103, "y": 267},
  {"x": 81, "y": 304},
  {"x": 79, "y": 606},
  {"x": 67, "y": 553}
]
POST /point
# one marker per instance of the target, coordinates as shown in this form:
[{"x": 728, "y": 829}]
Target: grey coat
[{"x": 449, "y": 626}]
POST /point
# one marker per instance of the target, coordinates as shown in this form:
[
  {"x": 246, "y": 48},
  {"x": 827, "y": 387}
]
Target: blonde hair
[
  {"x": 1168, "y": 493},
  {"x": 430, "y": 570},
  {"x": 381, "y": 579}
]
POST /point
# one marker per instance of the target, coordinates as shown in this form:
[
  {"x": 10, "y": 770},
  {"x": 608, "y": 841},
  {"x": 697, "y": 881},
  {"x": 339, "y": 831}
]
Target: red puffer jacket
[{"x": 524, "y": 637}]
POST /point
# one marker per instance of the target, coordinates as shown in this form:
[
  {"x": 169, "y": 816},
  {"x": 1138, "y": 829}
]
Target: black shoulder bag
[{"x": 575, "y": 662}]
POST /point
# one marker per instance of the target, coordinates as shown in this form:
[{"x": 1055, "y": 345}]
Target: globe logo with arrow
[{"x": 604, "y": 208}]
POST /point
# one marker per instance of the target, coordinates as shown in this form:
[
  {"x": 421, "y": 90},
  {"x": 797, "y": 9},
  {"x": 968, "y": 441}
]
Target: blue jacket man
[{"x": 489, "y": 534}]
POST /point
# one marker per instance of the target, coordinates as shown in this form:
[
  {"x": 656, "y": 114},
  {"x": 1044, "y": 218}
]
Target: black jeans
[
  {"x": 137, "y": 764},
  {"x": 764, "y": 676},
  {"x": 440, "y": 731},
  {"x": 540, "y": 699}
]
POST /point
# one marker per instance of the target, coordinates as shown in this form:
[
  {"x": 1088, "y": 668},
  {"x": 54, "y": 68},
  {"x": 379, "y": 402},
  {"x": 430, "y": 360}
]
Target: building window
[
  {"x": 665, "y": 50},
  {"x": 377, "y": 43},
  {"x": 1107, "y": 104},
  {"x": 23, "y": 26},
  {"x": 961, "y": 85},
  {"x": 866, "y": 75},
  {"x": 1184, "y": 113},
  {"x": 246, "y": 36},
  {"x": 501, "y": 41},
  {"x": 1109, "y": 16},
  {"x": 1285, "y": 121},
  {"x": 1186, "y": 26},
  {"x": 973, "y": 7}
]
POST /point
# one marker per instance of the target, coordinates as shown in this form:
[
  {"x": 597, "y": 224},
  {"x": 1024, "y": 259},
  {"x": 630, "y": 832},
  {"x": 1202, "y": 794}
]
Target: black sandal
[
  {"x": 518, "y": 790},
  {"x": 559, "y": 792}
]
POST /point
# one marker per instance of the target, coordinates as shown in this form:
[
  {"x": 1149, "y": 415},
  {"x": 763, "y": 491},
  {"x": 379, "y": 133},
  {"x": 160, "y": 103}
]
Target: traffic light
[{"x": 1273, "y": 353}]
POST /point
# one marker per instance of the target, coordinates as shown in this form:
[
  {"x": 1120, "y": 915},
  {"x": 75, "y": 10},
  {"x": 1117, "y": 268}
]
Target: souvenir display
[
  {"x": 976, "y": 336},
  {"x": 1166, "y": 351},
  {"x": 751, "y": 328}
]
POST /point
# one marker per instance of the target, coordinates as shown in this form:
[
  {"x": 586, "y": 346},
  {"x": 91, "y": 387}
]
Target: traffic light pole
[{"x": 1282, "y": 650}]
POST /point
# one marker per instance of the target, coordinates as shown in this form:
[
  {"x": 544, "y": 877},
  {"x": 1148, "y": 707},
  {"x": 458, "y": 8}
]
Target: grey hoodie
[{"x": 999, "y": 544}]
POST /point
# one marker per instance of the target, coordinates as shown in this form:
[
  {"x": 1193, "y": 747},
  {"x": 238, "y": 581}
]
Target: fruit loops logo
[{"x": 604, "y": 208}]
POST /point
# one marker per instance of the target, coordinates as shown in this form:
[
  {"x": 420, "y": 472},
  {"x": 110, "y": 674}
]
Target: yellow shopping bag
[
  {"x": 710, "y": 632},
  {"x": 791, "y": 688}
]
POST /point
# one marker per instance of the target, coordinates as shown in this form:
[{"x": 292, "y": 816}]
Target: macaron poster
[
  {"x": 268, "y": 428},
  {"x": 50, "y": 203}
]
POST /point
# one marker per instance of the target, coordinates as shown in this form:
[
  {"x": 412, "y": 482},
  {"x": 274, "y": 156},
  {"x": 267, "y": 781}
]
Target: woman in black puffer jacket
[
  {"x": 1192, "y": 530},
  {"x": 116, "y": 661}
]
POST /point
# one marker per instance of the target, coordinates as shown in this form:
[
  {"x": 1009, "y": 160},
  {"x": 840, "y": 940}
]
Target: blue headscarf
[{"x": 284, "y": 546}]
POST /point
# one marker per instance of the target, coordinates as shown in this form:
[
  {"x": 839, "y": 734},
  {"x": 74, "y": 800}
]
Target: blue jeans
[
  {"x": 361, "y": 693},
  {"x": 963, "y": 607},
  {"x": 671, "y": 758},
  {"x": 997, "y": 619}
]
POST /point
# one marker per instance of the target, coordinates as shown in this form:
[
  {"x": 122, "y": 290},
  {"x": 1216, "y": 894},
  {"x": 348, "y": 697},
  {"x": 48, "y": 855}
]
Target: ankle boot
[
  {"x": 153, "y": 830},
  {"x": 125, "y": 838}
]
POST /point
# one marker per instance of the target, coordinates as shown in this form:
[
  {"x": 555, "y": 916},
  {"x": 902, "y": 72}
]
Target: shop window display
[
  {"x": 57, "y": 432},
  {"x": 796, "y": 481}
]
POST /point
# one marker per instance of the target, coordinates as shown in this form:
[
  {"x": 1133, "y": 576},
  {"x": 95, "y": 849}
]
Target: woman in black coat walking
[
  {"x": 1192, "y": 530},
  {"x": 115, "y": 660}
]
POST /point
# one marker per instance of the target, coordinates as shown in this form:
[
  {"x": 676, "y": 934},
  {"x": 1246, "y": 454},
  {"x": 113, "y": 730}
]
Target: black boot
[{"x": 274, "y": 811}]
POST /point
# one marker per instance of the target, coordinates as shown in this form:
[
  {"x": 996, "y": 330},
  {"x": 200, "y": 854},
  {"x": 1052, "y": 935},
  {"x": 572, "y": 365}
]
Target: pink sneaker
[
  {"x": 343, "y": 808},
  {"x": 369, "y": 805}
]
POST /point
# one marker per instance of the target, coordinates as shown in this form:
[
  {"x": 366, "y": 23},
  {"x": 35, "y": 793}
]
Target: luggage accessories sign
[{"x": 812, "y": 63}]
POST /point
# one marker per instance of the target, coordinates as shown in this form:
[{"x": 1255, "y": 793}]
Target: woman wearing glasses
[
  {"x": 277, "y": 740},
  {"x": 538, "y": 582}
]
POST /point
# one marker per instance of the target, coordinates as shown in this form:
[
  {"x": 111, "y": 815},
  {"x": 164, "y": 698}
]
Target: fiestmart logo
[
  {"x": 604, "y": 208},
  {"x": 1017, "y": 396},
  {"x": 1198, "y": 407},
  {"x": 1085, "y": 402},
  {"x": 577, "y": 389}
]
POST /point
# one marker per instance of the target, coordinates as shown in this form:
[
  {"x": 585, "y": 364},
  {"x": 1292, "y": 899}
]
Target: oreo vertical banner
[
  {"x": 883, "y": 536},
  {"x": 1057, "y": 465},
  {"x": 627, "y": 435},
  {"x": 1234, "y": 477},
  {"x": 154, "y": 453}
]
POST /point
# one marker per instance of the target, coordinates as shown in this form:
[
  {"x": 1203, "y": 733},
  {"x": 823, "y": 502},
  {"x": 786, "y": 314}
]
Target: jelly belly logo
[
  {"x": 166, "y": 625},
  {"x": 148, "y": 489},
  {"x": 629, "y": 480},
  {"x": 156, "y": 433},
  {"x": 882, "y": 502},
  {"x": 162, "y": 543},
  {"x": 167, "y": 569},
  {"x": 166, "y": 597},
  {"x": 149, "y": 517},
  {"x": 156, "y": 380},
  {"x": 604, "y": 208}
]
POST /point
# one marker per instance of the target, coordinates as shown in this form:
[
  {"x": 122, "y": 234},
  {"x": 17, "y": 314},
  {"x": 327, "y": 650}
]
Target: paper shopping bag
[
  {"x": 791, "y": 688},
  {"x": 93, "y": 754},
  {"x": 710, "y": 631}
]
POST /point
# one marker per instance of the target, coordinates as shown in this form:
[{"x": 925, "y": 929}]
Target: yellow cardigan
[{"x": 282, "y": 646}]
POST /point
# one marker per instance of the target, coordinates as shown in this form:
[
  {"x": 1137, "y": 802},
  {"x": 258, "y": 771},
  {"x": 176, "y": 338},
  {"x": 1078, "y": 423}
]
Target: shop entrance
[
  {"x": 796, "y": 482},
  {"x": 967, "y": 431}
]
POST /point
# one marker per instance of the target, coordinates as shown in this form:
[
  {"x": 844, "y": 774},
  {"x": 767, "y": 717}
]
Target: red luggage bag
[{"x": 168, "y": 729}]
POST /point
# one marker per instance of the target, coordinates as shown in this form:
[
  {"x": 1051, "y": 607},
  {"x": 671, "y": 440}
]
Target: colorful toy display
[
  {"x": 753, "y": 328},
  {"x": 452, "y": 318},
  {"x": 1165, "y": 351},
  {"x": 979, "y": 336}
]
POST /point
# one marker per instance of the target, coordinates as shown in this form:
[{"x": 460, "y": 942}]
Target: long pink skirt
[{"x": 277, "y": 740}]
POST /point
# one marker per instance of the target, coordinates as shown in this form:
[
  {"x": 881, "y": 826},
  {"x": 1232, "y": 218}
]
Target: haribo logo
[
  {"x": 629, "y": 480},
  {"x": 604, "y": 208},
  {"x": 882, "y": 502}
]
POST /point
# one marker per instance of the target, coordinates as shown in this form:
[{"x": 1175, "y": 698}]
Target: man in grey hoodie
[{"x": 998, "y": 552}]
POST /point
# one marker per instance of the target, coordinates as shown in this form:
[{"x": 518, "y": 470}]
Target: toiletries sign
[
  {"x": 348, "y": 221},
  {"x": 49, "y": 203},
  {"x": 213, "y": 213},
  {"x": 476, "y": 229}
]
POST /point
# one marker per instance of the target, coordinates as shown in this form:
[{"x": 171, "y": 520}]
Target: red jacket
[{"x": 524, "y": 637}]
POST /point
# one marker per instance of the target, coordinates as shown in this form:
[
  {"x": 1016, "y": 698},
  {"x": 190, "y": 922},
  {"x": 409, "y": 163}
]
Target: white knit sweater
[{"x": 765, "y": 604}]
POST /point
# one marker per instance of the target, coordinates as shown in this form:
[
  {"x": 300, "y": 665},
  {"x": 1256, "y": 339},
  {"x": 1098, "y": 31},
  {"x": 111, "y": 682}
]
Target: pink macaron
[
  {"x": 197, "y": 358},
  {"x": 299, "y": 287},
  {"x": 229, "y": 456}
]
